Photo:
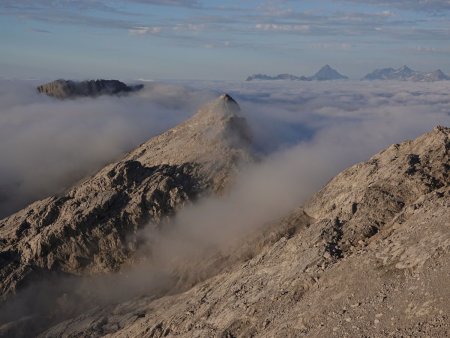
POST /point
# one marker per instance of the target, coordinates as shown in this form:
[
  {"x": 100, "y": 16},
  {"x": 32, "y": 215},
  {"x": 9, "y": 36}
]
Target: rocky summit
[
  {"x": 327, "y": 73},
  {"x": 91, "y": 228},
  {"x": 63, "y": 89},
  {"x": 366, "y": 256}
]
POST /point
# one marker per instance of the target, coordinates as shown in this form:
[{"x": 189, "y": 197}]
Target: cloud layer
[
  {"x": 305, "y": 132},
  {"x": 47, "y": 144}
]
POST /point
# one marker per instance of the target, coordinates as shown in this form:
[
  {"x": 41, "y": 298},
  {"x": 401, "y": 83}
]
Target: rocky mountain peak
[
  {"x": 328, "y": 73},
  {"x": 227, "y": 97},
  {"x": 406, "y": 71},
  {"x": 223, "y": 106},
  {"x": 406, "y": 74},
  {"x": 210, "y": 136},
  {"x": 91, "y": 228},
  {"x": 405, "y": 68}
]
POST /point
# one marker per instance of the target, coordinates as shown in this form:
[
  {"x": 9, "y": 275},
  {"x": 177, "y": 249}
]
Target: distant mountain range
[
  {"x": 324, "y": 74},
  {"x": 406, "y": 74},
  {"x": 327, "y": 73}
]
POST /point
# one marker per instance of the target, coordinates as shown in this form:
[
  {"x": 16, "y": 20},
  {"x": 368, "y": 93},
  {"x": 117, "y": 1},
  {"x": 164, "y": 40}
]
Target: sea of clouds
[
  {"x": 46, "y": 144},
  {"x": 304, "y": 133}
]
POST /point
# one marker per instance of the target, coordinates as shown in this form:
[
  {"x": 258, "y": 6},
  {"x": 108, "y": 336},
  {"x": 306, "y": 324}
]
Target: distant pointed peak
[{"x": 327, "y": 73}]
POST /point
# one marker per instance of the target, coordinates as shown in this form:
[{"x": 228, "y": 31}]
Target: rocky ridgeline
[
  {"x": 326, "y": 73},
  {"x": 92, "y": 227},
  {"x": 64, "y": 89},
  {"x": 368, "y": 255},
  {"x": 406, "y": 74}
]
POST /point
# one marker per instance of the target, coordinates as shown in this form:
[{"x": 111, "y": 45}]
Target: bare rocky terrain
[
  {"x": 63, "y": 89},
  {"x": 92, "y": 227},
  {"x": 366, "y": 256}
]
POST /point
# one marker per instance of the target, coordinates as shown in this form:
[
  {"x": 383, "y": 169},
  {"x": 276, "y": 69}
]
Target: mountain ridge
[
  {"x": 343, "y": 263},
  {"x": 92, "y": 227},
  {"x": 405, "y": 73},
  {"x": 375, "y": 232},
  {"x": 326, "y": 73}
]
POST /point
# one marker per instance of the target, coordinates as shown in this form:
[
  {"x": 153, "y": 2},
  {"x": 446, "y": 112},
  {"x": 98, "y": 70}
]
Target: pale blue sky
[{"x": 222, "y": 40}]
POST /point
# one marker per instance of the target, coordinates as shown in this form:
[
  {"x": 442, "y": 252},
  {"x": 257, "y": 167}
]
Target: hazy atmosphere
[
  {"x": 57, "y": 143},
  {"x": 195, "y": 39},
  {"x": 304, "y": 134},
  {"x": 257, "y": 168}
]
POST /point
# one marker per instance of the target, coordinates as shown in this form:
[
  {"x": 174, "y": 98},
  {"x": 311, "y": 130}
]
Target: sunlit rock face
[{"x": 91, "y": 228}]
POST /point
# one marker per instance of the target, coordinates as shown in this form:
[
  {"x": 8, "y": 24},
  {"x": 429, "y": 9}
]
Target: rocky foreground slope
[
  {"x": 367, "y": 256},
  {"x": 92, "y": 228},
  {"x": 63, "y": 89}
]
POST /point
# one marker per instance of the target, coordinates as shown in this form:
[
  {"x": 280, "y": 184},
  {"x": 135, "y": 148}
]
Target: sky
[{"x": 219, "y": 40}]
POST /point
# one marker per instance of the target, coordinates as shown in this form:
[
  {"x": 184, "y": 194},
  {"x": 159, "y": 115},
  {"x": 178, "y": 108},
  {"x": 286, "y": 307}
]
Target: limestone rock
[
  {"x": 367, "y": 256},
  {"x": 91, "y": 228}
]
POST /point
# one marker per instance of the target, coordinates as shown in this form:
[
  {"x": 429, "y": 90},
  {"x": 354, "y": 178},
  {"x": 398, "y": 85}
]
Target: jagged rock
[
  {"x": 63, "y": 89},
  {"x": 368, "y": 255},
  {"x": 91, "y": 228},
  {"x": 365, "y": 197}
]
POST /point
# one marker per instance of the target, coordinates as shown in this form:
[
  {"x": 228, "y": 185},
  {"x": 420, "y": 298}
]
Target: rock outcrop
[
  {"x": 368, "y": 255},
  {"x": 91, "y": 228},
  {"x": 63, "y": 89}
]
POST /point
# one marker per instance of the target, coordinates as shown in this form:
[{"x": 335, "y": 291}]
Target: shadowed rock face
[
  {"x": 92, "y": 227},
  {"x": 64, "y": 89},
  {"x": 368, "y": 255}
]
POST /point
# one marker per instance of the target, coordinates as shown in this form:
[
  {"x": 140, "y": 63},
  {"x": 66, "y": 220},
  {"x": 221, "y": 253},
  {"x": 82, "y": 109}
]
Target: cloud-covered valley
[
  {"x": 303, "y": 133},
  {"x": 46, "y": 144}
]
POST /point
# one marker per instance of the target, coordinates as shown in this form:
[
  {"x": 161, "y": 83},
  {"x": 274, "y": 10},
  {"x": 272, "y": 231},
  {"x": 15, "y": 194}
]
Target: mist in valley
[{"x": 303, "y": 135}]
